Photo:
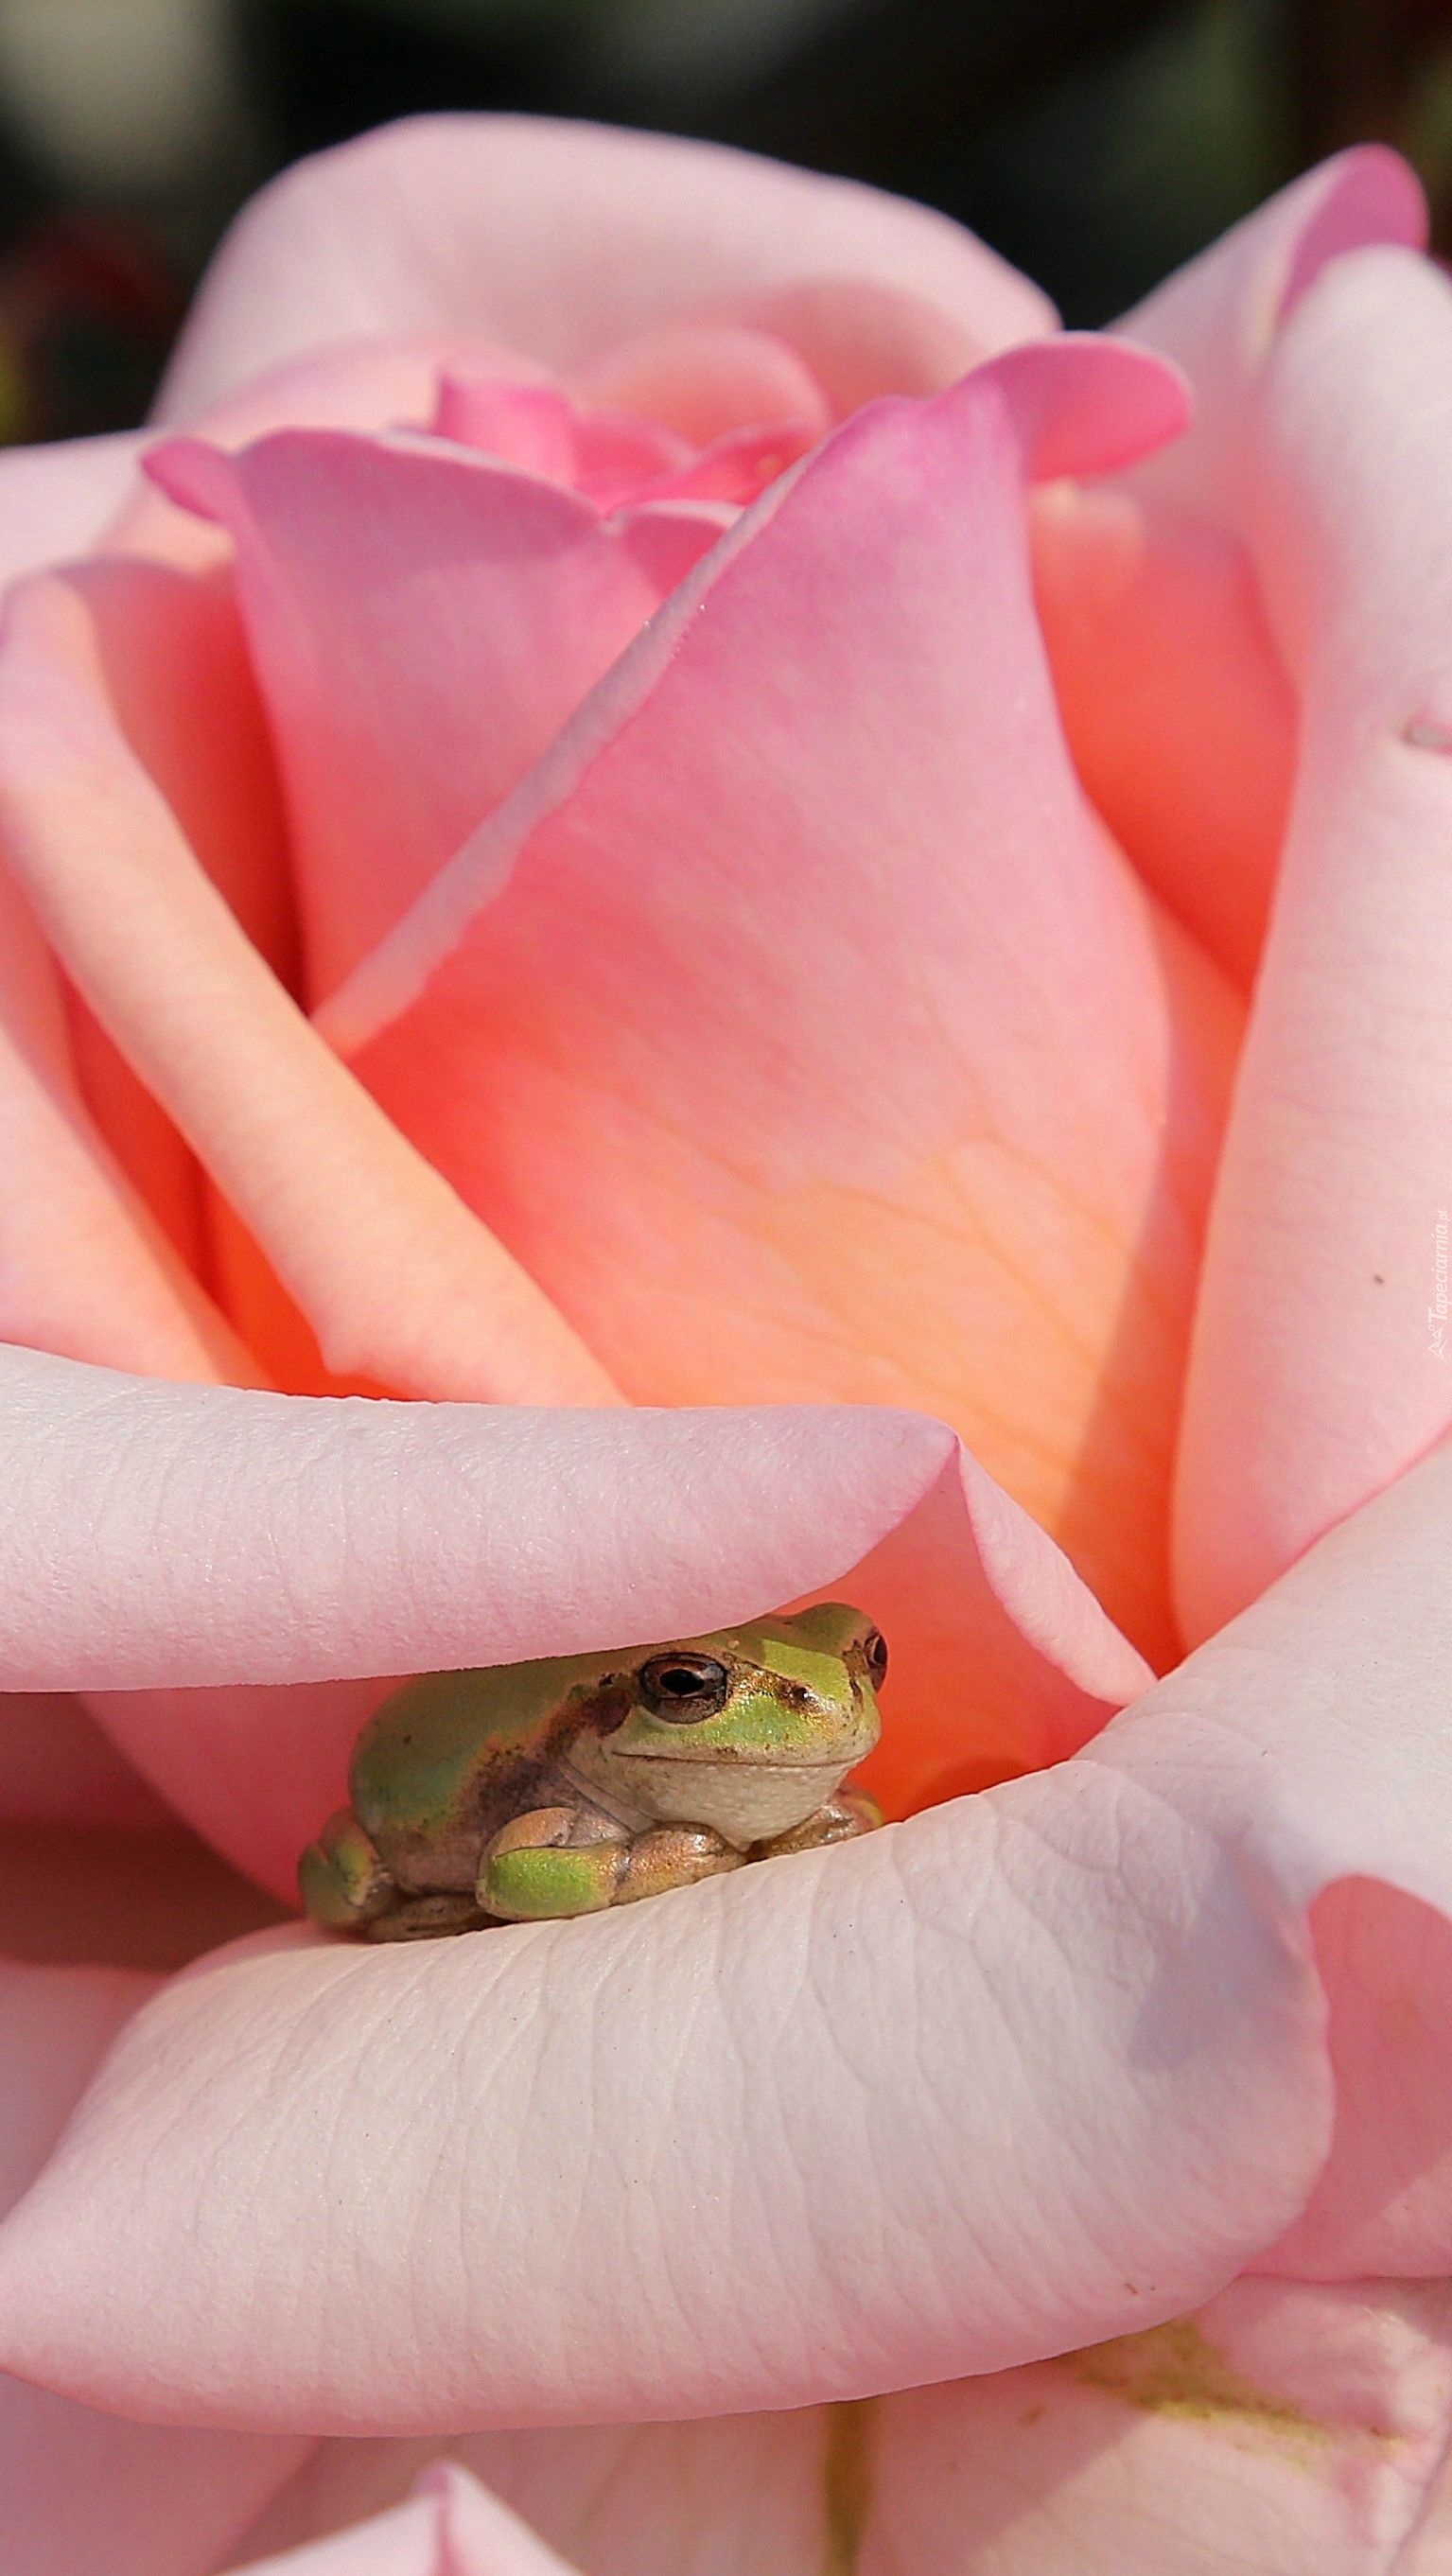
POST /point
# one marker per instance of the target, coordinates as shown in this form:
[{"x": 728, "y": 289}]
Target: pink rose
[{"x": 566, "y": 860}]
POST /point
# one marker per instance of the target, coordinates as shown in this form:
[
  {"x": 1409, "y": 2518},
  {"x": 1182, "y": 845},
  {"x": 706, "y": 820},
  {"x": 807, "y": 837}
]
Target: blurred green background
[{"x": 1095, "y": 142}]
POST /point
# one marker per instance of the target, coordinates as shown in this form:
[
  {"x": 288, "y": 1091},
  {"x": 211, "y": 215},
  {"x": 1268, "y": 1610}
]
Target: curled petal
[
  {"x": 1322, "y": 1358},
  {"x": 1092, "y": 1992},
  {"x": 236, "y": 1540},
  {"x": 492, "y": 226}
]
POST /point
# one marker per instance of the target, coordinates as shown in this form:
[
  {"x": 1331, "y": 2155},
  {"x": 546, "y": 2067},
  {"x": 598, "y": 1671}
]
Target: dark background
[{"x": 1096, "y": 142}]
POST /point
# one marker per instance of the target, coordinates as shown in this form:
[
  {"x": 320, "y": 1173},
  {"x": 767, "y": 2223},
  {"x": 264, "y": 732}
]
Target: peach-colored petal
[
  {"x": 1321, "y": 1358},
  {"x": 557, "y": 240},
  {"x": 422, "y": 620},
  {"x": 862, "y": 338},
  {"x": 452, "y": 2528},
  {"x": 1177, "y": 711},
  {"x": 210, "y": 1557},
  {"x": 85, "y": 1267},
  {"x": 82, "y": 2490},
  {"x": 1279, "y": 2431},
  {"x": 819, "y": 1045},
  {"x": 1086, "y": 1999},
  {"x": 400, "y": 1283},
  {"x": 703, "y": 379}
]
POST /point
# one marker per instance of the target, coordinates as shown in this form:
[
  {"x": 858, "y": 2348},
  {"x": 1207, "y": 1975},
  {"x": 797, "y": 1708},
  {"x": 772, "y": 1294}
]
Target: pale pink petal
[
  {"x": 452, "y": 2528},
  {"x": 422, "y": 621},
  {"x": 1280, "y": 2431},
  {"x": 1177, "y": 711},
  {"x": 56, "y": 501},
  {"x": 1321, "y": 1359},
  {"x": 796, "y": 1024},
  {"x": 1034, "y": 2069},
  {"x": 702, "y": 380},
  {"x": 238, "y": 1540},
  {"x": 1218, "y": 316},
  {"x": 344, "y": 1207},
  {"x": 83, "y": 2490},
  {"x": 556, "y": 240}
]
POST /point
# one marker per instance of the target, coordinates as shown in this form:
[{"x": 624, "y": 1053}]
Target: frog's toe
[
  {"x": 343, "y": 1883},
  {"x": 850, "y": 1813}
]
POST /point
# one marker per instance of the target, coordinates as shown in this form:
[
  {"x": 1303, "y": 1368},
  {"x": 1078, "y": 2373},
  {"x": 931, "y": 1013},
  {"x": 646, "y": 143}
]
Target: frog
[{"x": 540, "y": 1791}]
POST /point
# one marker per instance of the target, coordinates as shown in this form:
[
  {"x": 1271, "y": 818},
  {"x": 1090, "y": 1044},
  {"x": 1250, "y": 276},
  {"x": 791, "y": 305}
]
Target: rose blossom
[{"x": 693, "y": 917}]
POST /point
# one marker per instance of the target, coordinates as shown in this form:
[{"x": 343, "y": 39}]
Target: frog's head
[{"x": 751, "y": 1729}]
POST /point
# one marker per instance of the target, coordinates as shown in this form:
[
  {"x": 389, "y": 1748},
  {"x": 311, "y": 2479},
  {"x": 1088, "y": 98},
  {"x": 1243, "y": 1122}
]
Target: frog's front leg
[
  {"x": 556, "y": 1861},
  {"x": 839, "y": 1820},
  {"x": 341, "y": 1880}
]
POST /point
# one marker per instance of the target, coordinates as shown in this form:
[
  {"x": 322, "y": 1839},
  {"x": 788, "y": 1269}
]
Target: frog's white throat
[{"x": 743, "y": 1802}]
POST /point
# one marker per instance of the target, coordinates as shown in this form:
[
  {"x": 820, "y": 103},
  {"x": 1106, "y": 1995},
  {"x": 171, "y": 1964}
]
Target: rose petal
[
  {"x": 1176, "y": 708},
  {"x": 558, "y": 240},
  {"x": 818, "y": 1046},
  {"x": 168, "y": 970},
  {"x": 1320, "y": 1361},
  {"x": 83, "y": 2490},
  {"x": 55, "y": 501},
  {"x": 390, "y": 381},
  {"x": 1276, "y": 2430},
  {"x": 1175, "y": 704},
  {"x": 58, "y": 1767},
  {"x": 85, "y": 1266},
  {"x": 1219, "y": 315},
  {"x": 861, "y": 338},
  {"x": 537, "y": 426},
  {"x": 703, "y": 380},
  {"x": 93, "y": 1895},
  {"x": 422, "y": 621},
  {"x": 636, "y": 1526},
  {"x": 1091, "y": 1993},
  {"x": 453, "y": 2528}
]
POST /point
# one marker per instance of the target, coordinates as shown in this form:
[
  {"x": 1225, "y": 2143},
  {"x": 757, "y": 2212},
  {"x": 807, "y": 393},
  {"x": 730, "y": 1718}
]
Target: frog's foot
[
  {"x": 673, "y": 1856},
  {"x": 425, "y": 1918},
  {"x": 558, "y": 1861},
  {"x": 840, "y": 1820},
  {"x": 341, "y": 1880}
]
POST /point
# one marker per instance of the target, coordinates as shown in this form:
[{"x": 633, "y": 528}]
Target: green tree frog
[{"x": 563, "y": 1787}]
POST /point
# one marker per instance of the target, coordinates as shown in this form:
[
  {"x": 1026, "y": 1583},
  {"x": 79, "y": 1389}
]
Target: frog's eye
[
  {"x": 683, "y": 1688},
  {"x": 874, "y": 1647}
]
